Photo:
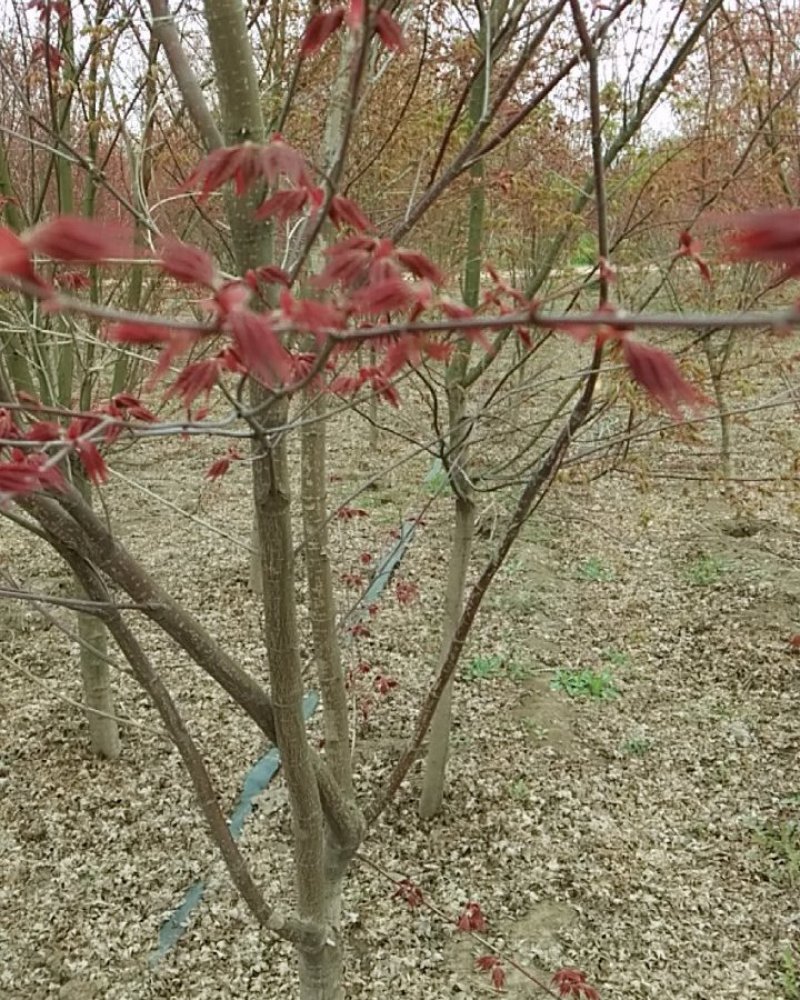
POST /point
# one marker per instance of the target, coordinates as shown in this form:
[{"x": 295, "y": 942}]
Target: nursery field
[{"x": 624, "y": 790}]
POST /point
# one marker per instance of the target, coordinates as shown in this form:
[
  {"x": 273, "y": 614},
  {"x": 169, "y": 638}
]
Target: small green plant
[
  {"x": 636, "y": 746},
  {"x": 484, "y": 668},
  {"x": 790, "y": 975},
  {"x": 585, "y": 683},
  {"x": 488, "y": 668},
  {"x": 534, "y": 729},
  {"x": 706, "y": 570},
  {"x": 615, "y": 657},
  {"x": 781, "y": 842},
  {"x": 594, "y": 571},
  {"x": 519, "y": 790}
]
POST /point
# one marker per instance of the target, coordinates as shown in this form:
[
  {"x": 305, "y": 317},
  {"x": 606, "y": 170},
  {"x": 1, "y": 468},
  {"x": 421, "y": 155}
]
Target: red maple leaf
[
  {"x": 383, "y": 684},
  {"x": 406, "y": 591},
  {"x": 572, "y": 983},
  {"x": 72, "y": 238},
  {"x": 388, "y": 30},
  {"x": 220, "y": 466},
  {"x": 24, "y": 474},
  {"x": 319, "y": 29},
  {"x": 197, "y": 378},
  {"x": 187, "y": 264},
  {"x": 421, "y": 266},
  {"x": 259, "y": 347},
  {"x": 344, "y": 212},
  {"x": 269, "y": 274},
  {"x": 471, "y": 918},
  {"x": 133, "y": 407},
  {"x": 139, "y": 333},
  {"x": 348, "y": 513},
  {"x": 410, "y": 892},
  {"x": 15, "y": 258},
  {"x": 246, "y": 165},
  {"x": 282, "y": 205},
  {"x": 43, "y": 51},
  {"x": 492, "y": 964},
  {"x": 658, "y": 374},
  {"x": 771, "y": 237}
]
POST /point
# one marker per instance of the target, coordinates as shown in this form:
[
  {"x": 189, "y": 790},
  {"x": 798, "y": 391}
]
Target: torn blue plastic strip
[{"x": 256, "y": 780}]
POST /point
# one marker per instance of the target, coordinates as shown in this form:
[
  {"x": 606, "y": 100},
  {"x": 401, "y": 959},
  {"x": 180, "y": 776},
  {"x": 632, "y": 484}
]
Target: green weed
[
  {"x": 615, "y": 657},
  {"x": 781, "y": 842},
  {"x": 706, "y": 570},
  {"x": 585, "y": 683},
  {"x": 519, "y": 790},
  {"x": 594, "y": 571},
  {"x": 636, "y": 746},
  {"x": 488, "y": 668}
]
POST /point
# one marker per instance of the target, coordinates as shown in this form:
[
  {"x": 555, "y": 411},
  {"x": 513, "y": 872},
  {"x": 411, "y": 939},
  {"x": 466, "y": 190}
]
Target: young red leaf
[
  {"x": 73, "y": 238},
  {"x": 344, "y": 212},
  {"x": 283, "y": 204},
  {"x": 572, "y": 983},
  {"x": 139, "y": 333},
  {"x": 658, "y": 374},
  {"x": 471, "y": 918},
  {"x": 269, "y": 274},
  {"x": 73, "y": 281},
  {"x": 187, "y": 264},
  {"x": 353, "y": 580},
  {"x": 24, "y": 475},
  {"x": 390, "y": 295},
  {"x": 197, "y": 378},
  {"x": 421, "y": 266},
  {"x": 771, "y": 237},
  {"x": 365, "y": 558},
  {"x": 348, "y": 513},
  {"x": 319, "y": 30},
  {"x": 259, "y": 347},
  {"x": 48, "y": 8},
  {"x": 133, "y": 407},
  {"x": 43, "y": 51},
  {"x": 410, "y": 892},
  {"x": 220, "y": 466},
  {"x": 492, "y": 964},
  {"x": 383, "y": 684},
  {"x": 42, "y": 430},
  {"x": 359, "y": 630},
  {"x": 15, "y": 259},
  {"x": 406, "y": 591},
  {"x": 278, "y": 159},
  {"x": 388, "y": 30}
]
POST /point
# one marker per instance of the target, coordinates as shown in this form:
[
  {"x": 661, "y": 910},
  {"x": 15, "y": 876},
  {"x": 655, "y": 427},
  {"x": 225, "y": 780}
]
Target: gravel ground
[{"x": 650, "y": 836}]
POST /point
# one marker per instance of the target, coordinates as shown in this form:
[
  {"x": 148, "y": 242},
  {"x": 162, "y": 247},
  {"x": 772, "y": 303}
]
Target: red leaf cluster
[
  {"x": 572, "y": 983},
  {"x": 658, "y": 374},
  {"x": 690, "y": 248},
  {"x": 406, "y": 591},
  {"x": 493, "y": 965},
  {"x": 769, "y": 237},
  {"x": 247, "y": 165},
  {"x": 384, "y": 684},
  {"x": 49, "y": 8},
  {"x": 471, "y": 918},
  {"x": 410, "y": 892},
  {"x": 325, "y": 23},
  {"x": 221, "y": 465}
]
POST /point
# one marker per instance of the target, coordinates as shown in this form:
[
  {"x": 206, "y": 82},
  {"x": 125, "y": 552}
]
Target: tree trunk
[
  {"x": 433, "y": 783},
  {"x": 96, "y": 681}
]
